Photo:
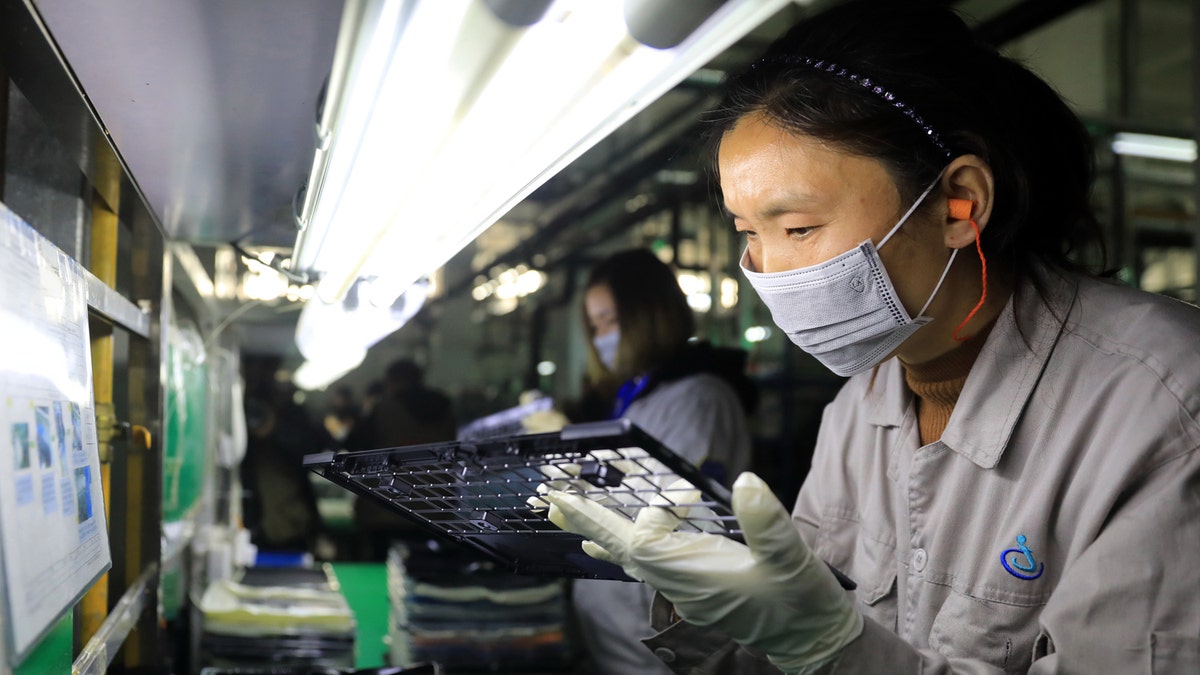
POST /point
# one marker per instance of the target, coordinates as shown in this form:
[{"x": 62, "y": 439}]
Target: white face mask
[
  {"x": 844, "y": 311},
  {"x": 606, "y": 347}
]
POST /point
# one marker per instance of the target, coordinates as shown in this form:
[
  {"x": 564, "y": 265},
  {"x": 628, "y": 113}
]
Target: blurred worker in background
[
  {"x": 691, "y": 396},
  {"x": 280, "y": 504},
  {"x": 342, "y": 415},
  {"x": 408, "y": 413},
  {"x": 374, "y": 393}
]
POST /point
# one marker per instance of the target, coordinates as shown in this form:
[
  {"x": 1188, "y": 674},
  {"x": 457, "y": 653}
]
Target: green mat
[
  {"x": 365, "y": 588},
  {"x": 53, "y": 653}
]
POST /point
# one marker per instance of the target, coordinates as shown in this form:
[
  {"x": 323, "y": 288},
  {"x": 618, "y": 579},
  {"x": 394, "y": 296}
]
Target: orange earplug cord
[{"x": 960, "y": 209}]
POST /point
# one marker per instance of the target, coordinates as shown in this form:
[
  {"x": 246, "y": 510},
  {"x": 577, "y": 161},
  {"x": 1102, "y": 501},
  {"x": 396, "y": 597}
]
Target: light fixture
[
  {"x": 225, "y": 273},
  {"x": 511, "y": 284},
  {"x": 440, "y": 116},
  {"x": 697, "y": 287},
  {"x": 191, "y": 266},
  {"x": 729, "y": 292},
  {"x": 300, "y": 293},
  {"x": 757, "y": 333},
  {"x": 1155, "y": 147},
  {"x": 701, "y": 302},
  {"x": 260, "y": 281},
  {"x": 315, "y": 375},
  {"x": 334, "y": 337}
]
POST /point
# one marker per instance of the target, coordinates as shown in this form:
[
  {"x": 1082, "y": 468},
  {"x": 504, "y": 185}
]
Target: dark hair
[
  {"x": 909, "y": 84},
  {"x": 654, "y": 316},
  {"x": 404, "y": 374},
  {"x": 376, "y": 388}
]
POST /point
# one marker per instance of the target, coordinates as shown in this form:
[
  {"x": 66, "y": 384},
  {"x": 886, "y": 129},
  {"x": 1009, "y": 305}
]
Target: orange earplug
[{"x": 960, "y": 209}]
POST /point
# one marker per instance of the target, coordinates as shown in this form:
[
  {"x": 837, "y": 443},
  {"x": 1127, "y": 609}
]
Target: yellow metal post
[{"x": 103, "y": 264}]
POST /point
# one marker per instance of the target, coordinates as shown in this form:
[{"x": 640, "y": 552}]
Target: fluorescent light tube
[
  {"x": 448, "y": 117},
  {"x": 1155, "y": 147},
  {"x": 313, "y": 375},
  {"x": 334, "y": 337}
]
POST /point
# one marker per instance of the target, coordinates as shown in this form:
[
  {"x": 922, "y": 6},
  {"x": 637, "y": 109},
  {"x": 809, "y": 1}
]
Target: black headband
[{"x": 866, "y": 83}]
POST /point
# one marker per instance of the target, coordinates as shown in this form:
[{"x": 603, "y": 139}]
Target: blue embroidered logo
[{"x": 1019, "y": 561}]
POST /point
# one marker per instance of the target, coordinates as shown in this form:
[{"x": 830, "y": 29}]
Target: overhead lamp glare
[
  {"x": 440, "y": 117},
  {"x": 1155, "y": 147}
]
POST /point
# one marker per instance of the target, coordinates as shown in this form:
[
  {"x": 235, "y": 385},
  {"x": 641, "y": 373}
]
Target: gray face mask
[
  {"x": 606, "y": 348},
  {"x": 844, "y": 311}
]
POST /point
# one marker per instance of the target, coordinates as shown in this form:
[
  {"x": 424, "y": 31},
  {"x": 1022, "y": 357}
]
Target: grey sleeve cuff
[{"x": 685, "y": 648}]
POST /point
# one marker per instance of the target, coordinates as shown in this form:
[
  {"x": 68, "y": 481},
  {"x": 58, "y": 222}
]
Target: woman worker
[
  {"x": 689, "y": 395},
  {"x": 1011, "y": 472}
]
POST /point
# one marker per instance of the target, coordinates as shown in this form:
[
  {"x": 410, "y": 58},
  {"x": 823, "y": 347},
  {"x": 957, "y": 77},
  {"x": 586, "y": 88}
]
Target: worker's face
[
  {"x": 601, "y": 310},
  {"x": 800, "y": 202}
]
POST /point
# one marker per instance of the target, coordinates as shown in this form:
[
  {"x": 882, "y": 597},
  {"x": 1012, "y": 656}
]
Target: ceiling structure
[{"x": 212, "y": 106}]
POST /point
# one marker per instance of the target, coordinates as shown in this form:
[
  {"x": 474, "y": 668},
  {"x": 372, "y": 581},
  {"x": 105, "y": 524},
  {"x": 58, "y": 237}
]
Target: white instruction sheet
[{"x": 53, "y": 536}]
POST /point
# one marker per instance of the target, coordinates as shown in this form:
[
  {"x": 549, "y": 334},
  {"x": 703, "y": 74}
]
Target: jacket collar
[{"x": 1002, "y": 379}]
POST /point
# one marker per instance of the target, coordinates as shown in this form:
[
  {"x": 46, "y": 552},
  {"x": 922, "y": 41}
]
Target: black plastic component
[{"x": 600, "y": 474}]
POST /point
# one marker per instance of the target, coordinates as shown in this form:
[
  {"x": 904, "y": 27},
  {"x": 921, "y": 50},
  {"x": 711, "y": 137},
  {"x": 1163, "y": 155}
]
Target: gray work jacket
[{"x": 1055, "y": 526}]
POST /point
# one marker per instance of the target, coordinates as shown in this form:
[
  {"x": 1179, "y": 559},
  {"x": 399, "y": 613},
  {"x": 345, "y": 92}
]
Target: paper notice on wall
[{"x": 53, "y": 536}]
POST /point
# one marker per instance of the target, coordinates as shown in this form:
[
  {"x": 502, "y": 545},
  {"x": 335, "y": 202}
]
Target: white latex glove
[
  {"x": 770, "y": 593},
  {"x": 642, "y": 479}
]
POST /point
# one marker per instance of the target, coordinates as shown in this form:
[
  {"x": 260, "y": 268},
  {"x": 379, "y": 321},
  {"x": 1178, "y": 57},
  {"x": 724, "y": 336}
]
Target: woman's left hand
[{"x": 770, "y": 593}]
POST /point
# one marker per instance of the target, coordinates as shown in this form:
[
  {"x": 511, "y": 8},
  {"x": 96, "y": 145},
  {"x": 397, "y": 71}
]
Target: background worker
[{"x": 692, "y": 397}]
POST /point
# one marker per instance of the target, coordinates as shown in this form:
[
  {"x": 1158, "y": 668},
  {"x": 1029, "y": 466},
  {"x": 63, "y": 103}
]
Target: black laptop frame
[{"x": 477, "y": 492}]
